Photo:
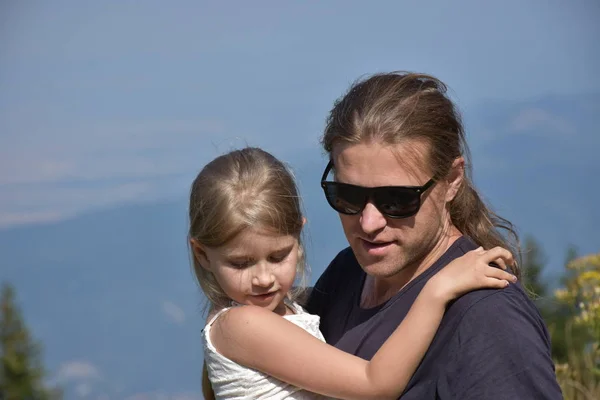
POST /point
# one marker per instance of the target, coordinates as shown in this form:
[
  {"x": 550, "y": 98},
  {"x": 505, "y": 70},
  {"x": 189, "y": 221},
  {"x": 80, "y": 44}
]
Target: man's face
[{"x": 385, "y": 246}]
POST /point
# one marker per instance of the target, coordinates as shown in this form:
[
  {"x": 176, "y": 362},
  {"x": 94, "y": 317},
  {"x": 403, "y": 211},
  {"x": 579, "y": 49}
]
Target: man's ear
[
  {"x": 455, "y": 178},
  {"x": 200, "y": 254}
]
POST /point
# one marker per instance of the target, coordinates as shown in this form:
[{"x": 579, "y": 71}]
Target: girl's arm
[{"x": 262, "y": 340}]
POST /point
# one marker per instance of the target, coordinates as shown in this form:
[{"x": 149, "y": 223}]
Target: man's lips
[
  {"x": 375, "y": 248},
  {"x": 376, "y": 242}
]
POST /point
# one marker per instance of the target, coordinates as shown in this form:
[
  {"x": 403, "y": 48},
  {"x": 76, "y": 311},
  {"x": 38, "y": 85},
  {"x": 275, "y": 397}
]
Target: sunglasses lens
[
  {"x": 397, "y": 202},
  {"x": 394, "y": 202},
  {"x": 345, "y": 199}
]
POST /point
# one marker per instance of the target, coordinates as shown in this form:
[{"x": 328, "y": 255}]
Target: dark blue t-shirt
[{"x": 491, "y": 344}]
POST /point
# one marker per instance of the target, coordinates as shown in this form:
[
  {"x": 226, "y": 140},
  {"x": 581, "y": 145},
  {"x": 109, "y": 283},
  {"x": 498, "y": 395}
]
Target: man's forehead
[{"x": 412, "y": 155}]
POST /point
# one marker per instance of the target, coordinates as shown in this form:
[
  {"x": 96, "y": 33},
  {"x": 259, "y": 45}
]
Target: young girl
[{"x": 245, "y": 225}]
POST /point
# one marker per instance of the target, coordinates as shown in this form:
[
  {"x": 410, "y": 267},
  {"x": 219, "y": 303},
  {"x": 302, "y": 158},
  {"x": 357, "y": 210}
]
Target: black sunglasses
[{"x": 391, "y": 201}]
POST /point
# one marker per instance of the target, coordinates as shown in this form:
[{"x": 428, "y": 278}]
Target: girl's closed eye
[
  {"x": 240, "y": 264},
  {"x": 281, "y": 255}
]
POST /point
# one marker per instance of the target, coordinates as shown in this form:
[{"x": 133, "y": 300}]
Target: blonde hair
[
  {"x": 397, "y": 107},
  {"x": 241, "y": 189}
]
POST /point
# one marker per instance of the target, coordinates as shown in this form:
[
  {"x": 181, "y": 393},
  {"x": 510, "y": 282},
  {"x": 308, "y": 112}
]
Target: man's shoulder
[
  {"x": 497, "y": 330},
  {"x": 510, "y": 296},
  {"x": 484, "y": 304},
  {"x": 508, "y": 309},
  {"x": 497, "y": 300}
]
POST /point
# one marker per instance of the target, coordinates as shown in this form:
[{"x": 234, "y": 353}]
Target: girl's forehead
[{"x": 253, "y": 240}]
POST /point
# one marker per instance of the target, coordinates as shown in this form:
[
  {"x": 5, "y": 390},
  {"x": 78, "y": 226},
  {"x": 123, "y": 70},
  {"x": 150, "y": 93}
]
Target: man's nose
[{"x": 371, "y": 219}]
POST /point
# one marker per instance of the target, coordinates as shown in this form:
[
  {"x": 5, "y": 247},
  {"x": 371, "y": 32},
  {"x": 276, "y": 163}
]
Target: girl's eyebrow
[
  {"x": 284, "y": 249},
  {"x": 234, "y": 254}
]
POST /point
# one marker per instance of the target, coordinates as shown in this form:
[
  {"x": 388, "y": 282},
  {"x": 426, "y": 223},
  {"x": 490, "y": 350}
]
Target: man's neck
[{"x": 377, "y": 290}]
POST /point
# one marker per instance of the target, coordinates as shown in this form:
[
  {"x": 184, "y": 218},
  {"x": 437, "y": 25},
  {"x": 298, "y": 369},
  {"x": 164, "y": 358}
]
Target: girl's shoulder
[
  {"x": 236, "y": 316},
  {"x": 243, "y": 311}
]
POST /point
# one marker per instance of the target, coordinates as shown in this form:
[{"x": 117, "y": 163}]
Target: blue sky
[{"x": 109, "y": 109}]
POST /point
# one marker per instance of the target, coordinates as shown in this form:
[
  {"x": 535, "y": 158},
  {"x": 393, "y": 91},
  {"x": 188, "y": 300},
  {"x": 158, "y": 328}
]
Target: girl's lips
[{"x": 265, "y": 296}]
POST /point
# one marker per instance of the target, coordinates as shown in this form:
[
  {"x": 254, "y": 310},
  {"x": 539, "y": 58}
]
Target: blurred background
[{"x": 109, "y": 109}]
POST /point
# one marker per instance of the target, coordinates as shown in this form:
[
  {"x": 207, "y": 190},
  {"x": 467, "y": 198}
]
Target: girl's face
[{"x": 255, "y": 268}]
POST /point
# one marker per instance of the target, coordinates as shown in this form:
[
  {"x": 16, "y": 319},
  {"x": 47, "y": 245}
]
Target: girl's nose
[{"x": 263, "y": 276}]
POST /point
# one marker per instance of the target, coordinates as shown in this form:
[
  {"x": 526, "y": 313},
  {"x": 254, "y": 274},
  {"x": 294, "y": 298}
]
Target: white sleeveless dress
[{"x": 232, "y": 381}]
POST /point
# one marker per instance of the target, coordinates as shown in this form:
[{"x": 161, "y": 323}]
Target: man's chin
[{"x": 377, "y": 267}]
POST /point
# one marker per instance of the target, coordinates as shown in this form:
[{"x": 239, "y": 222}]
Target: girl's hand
[{"x": 472, "y": 271}]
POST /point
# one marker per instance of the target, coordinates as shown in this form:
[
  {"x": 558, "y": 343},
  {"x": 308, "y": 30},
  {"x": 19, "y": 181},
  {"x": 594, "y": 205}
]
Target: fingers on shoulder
[
  {"x": 498, "y": 253},
  {"x": 495, "y": 283},
  {"x": 497, "y": 273}
]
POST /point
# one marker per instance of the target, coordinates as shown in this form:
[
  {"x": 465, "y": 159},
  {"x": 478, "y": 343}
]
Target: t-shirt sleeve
[{"x": 500, "y": 350}]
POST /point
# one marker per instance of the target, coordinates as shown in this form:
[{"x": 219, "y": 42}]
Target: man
[{"x": 408, "y": 208}]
